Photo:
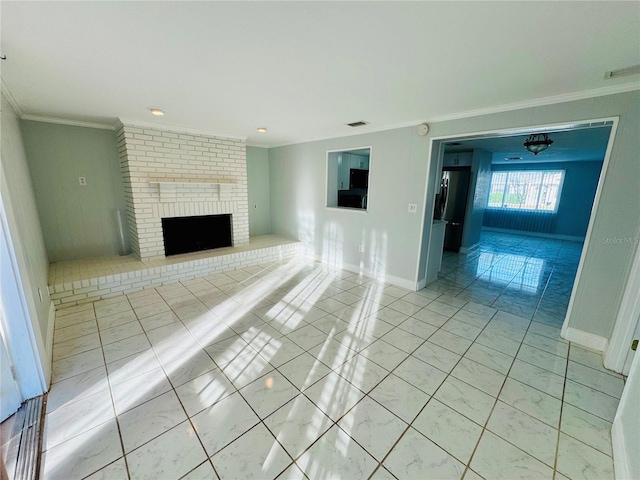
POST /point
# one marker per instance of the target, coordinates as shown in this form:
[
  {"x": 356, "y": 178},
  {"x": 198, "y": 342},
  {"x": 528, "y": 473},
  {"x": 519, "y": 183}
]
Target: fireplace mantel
[{"x": 167, "y": 186}]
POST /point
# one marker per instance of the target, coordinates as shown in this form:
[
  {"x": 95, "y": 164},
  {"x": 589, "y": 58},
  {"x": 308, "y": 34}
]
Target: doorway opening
[{"x": 515, "y": 222}]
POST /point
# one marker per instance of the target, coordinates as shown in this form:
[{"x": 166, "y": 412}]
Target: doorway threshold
[{"x": 22, "y": 441}]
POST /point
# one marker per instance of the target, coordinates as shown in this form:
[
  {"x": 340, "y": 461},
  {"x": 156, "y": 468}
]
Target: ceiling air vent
[
  {"x": 357, "y": 124},
  {"x": 622, "y": 72},
  {"x": 513, "y": 158}
]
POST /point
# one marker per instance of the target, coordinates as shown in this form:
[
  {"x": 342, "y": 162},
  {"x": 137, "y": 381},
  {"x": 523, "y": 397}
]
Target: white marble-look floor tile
[
  {"x": 375, "y": 428},
  {"x": 465, "y": 399},
  {"x": 75, "y": 418},
  {"x": 83, "y": 454},
  {"x": 529, "y": 434},
  {"x": 479, "y": 376},
  {"x": 266, "y": 394},
  {"x": 203, "y": 472},
  {"x": 592, "y": 378},
  {"x": 114, "y": 471},
  {"x": 590, "y": 400},
  {"x": 74, "y": 331},
  {"x": 450, "y": 341},
  {"x": 204, "y": 391},
  {"x": 543, "y": 359},
  {"x": 336, "y": 456},
  {"x": 332, "y": 353},
  {"x": 495, "y": 458},
  {"x": 436, "y": 356},
  {"x": 146, "y": 421},
  {"x": 298, "y": 424},
  {"x": 589, "y": 428},
  {"x": 498, "y": 342},
  {"x": 415, "y": 456},
  {"x": 139, "y": 389},
  {"x": 193, "y": 363},
  {"x": 334, "y": 395},
  {"x": 577, "y": 460},
  {"x": 404, "y": 340},
  {"x": 539, "y": 378},
  {"x": 171, "y": 455},
  {"x": 116, "y": 319},
  {"x": 448, "y": 429},
  {"x": 223, "y": 422},
  {"x": 76, "y": 364},
  {"x": 420, "y": 374},
  {"x": 442, "y": 308},
  {"x": 490, "y": 358},
  {"x": 432, "y": 318},
  {"x": 130, "y": 367},
  {"x": 361, "y": 372},
  {"x": 76, "y": 388},
  {"x": 532, "y": 401},
  {"x": 416, "y": 327},
  {"x": 76, "y": 345},
  {"x": 255, "y": 455},
  {"x": 400, "y": 397},
  {"x": 125, "y": 348}
]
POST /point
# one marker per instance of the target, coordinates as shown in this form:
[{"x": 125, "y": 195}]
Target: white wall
[
  {"x": 19, "y": 201},
  {"x": 478, "y": 193},
  {"x": 389, "y": 233},
  {"x": 78, "y": 221},
  {"x": 258, "y": 191},
  {"x": 399, "y": 165}
]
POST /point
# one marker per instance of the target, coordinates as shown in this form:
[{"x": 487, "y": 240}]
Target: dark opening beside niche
[{"x": 193, "y": 234}]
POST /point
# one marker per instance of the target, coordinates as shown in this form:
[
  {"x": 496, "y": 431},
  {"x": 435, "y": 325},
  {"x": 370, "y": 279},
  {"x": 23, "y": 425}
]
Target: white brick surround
[{"x": 155, "y": 154}]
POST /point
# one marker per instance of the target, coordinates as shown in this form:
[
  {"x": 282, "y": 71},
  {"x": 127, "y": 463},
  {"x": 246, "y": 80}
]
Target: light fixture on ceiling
[
  {"x": 156, "y": 111},
  {"x": 537, "y": 142},
  {"x": 262, "y": 129}
]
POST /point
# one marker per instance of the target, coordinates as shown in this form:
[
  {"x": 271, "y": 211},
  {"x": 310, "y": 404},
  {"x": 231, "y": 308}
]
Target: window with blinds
[{"x": 529, "y": 190}]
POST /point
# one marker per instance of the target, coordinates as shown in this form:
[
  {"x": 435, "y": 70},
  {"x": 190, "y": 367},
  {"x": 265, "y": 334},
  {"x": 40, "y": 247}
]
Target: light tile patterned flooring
[{"x": 294, "y": 370}]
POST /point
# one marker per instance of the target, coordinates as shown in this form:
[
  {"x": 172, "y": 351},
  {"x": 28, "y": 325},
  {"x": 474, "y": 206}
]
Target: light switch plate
[
  {"x": 82, "y": 181},
  {"x": 413, "y": 207}
]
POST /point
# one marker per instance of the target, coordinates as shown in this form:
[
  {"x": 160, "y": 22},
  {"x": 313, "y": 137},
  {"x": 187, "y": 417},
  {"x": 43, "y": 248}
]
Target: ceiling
[
  {"x": 305, "y": 69},
  {"x": 581, "y": 144}
]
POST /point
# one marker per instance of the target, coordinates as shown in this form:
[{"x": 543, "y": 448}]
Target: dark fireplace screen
[{"x": 193, "y": 234}]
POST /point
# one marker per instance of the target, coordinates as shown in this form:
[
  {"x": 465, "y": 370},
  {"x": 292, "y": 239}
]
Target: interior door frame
[
  {"x": 17, "y": 325},
  {"x": 618, "y": 349},
  {"x": 427, "y": 220}
]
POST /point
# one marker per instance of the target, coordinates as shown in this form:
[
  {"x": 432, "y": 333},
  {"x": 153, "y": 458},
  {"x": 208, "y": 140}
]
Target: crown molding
[
  {"x": 257, "y": 145},
  {"x": 64, "y": 121},
  {"x": 173, "y": 128},
  {"x": 538, "y": 102},
  {"x": 11, "y": 99}
]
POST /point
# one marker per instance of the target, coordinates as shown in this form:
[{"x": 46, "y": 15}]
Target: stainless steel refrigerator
[{"x": 452, "y": 202}]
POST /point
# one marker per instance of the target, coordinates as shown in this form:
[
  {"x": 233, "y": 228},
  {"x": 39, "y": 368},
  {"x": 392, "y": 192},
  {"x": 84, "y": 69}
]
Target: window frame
[
  {"x": 327, "y": 168},
  {"x": 503, "y": 207}
]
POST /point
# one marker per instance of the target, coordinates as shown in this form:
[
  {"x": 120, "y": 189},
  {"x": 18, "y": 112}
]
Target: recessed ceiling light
[
  {"x": 156, "y": 111},
  {"x": 262, "y": 129}
]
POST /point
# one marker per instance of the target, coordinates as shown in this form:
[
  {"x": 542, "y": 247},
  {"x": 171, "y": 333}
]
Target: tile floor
[{"x": 294, "y": 370}]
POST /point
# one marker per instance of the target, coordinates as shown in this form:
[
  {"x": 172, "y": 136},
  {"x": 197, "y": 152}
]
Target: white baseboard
[
  {"x": 421, "y": 284},
  {"x": 50, "y": 328},
  {"x": 586, "y": 339},
  {"x": 621, "y": 460},
  {"x": 399, "y": 282},
  {"x": 555, "y": 236},
  {"x": 469, "y": 249}
]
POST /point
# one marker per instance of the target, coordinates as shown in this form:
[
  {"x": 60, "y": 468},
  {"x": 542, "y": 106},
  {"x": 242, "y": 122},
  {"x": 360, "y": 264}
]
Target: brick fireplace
[{"x": 168, "y": 173}]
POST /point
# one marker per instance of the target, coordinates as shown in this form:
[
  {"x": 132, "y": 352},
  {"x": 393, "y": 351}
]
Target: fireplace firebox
[{"x": 193, "y": 234}]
